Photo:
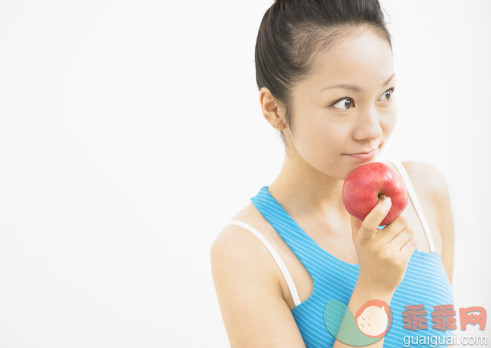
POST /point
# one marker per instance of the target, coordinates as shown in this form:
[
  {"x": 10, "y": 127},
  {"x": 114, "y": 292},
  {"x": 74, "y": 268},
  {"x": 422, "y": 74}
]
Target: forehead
[{"x": 362, "y": 58}]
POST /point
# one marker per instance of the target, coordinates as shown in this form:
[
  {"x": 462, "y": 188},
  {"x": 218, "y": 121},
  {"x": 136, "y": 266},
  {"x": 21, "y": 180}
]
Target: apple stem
[{"x": 381, "y": 196}]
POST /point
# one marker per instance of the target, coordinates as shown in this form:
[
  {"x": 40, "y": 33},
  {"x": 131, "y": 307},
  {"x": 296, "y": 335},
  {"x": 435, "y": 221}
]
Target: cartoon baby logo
[
  {"x": 374, "y": 318},
  {"x": 370, "y": 324}
]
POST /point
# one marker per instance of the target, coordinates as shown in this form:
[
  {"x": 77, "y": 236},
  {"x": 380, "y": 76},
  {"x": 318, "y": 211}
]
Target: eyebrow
[{"x": 355, "y": 88}]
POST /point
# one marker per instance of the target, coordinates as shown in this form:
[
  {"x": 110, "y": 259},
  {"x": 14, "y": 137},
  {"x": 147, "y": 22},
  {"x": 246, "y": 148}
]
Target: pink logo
[{"x": 374, "y": 318}]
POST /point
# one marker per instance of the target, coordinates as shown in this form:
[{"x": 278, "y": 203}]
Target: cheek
[
  {"x": 388, "y": 124},
  {"x": 321, "y": 143}
]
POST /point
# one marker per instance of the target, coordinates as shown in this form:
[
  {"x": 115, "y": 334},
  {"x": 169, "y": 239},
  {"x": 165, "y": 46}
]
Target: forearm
[{"x": 361, "y": 294}]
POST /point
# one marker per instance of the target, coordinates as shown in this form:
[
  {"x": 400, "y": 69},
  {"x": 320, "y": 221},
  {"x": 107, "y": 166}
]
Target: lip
[{"x": 364, "y": 155}]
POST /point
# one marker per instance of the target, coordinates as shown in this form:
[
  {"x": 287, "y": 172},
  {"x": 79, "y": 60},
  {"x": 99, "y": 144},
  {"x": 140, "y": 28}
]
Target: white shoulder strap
[
  {"x": 417, "y": 205},
  {"x": 277, "y": 258}
]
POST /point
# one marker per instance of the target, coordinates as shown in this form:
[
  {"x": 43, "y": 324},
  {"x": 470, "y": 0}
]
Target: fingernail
[{"x": 386, "y": 203}]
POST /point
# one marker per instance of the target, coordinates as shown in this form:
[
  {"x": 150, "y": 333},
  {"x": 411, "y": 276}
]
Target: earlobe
[
  {"x": 280, "y": 124},
  {"x": 273, "y": 118}
]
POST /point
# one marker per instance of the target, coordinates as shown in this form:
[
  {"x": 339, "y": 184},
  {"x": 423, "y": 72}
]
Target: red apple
[{"x": 368, "y": 184}]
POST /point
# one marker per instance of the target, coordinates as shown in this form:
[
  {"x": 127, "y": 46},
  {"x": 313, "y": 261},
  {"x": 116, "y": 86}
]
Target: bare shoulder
[
  {"x": 251, "y": 301},
  {"x": 433, "y": 187},
  {"x": 430, "y": 184},
  {"x": 236, "y": 252},
  {"x": 236, "y": 241},
  {"x": 427, "y": 177}
]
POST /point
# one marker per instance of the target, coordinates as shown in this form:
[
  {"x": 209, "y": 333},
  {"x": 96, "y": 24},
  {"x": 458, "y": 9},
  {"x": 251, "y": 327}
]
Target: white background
[{"x": 131, "y": 132}]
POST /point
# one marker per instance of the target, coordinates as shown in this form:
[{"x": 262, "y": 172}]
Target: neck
[{"x": 307, "y": 191}]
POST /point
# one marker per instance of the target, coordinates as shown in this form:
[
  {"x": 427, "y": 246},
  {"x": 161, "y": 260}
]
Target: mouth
[{"x": 363, "y": 155}]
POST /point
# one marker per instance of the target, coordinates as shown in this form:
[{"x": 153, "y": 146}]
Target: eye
[
  {"x": 390, "y": 91},
  {"x": 343, "y": 102},
  {"x": 347, "y": 102}
]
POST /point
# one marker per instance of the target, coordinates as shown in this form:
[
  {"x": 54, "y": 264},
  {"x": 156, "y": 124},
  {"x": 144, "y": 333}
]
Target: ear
[{"x": 273, "y": 111}]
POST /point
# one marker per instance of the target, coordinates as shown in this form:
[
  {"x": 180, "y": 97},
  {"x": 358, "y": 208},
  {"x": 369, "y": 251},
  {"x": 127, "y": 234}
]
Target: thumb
[{"x": 369, "y": 225}]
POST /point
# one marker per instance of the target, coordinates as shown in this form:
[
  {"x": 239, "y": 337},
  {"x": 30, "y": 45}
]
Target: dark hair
[{"x": 292, "y": 31}]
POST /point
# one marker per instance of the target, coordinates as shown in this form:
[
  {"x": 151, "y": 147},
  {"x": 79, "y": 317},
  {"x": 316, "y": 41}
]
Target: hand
[{"x": 383, "y": 254}]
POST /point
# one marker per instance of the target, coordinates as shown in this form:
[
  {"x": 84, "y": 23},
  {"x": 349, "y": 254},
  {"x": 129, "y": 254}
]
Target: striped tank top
[{"x": 425, "y": 281}]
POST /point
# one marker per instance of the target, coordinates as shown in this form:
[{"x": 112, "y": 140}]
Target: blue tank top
[{"x": 425, "y": 282}]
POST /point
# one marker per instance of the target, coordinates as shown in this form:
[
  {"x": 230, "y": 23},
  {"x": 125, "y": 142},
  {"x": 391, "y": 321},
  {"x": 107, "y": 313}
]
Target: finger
[
  {"x": 402, "y": 238},
  {"x": 375, "y": 217},
  {"x": 406, "y": 243},
  {"x": 408, "y": 248},
  {"x": 396, "y": 228}
]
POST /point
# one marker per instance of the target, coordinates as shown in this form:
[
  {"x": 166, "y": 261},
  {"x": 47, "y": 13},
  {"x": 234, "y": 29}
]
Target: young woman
[{"x": 326, "y": 81}]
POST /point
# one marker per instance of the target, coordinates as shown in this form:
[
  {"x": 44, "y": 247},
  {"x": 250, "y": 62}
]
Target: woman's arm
[{"x": 252, "y": 306}]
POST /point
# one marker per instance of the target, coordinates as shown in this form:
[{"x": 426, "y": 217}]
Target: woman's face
[{"x": 331, "y": 121}]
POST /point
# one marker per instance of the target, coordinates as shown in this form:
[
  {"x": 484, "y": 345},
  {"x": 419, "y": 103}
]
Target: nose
[{"x": 367, "y": 126}]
